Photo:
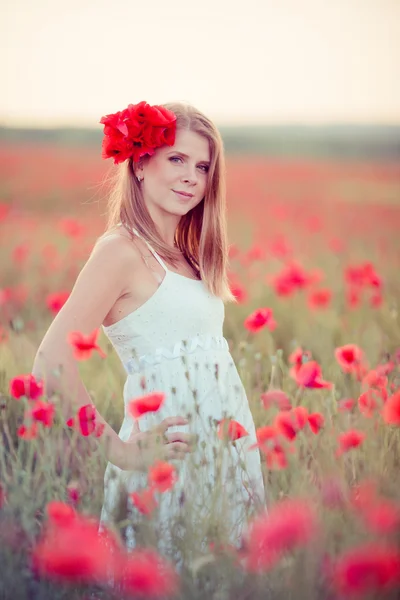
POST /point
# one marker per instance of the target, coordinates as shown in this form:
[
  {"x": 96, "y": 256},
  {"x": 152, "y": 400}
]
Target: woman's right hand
[{"x": 144, "y": 447}]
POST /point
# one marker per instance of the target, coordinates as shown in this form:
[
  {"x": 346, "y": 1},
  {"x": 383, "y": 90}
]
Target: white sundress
[{"x": 174, "y": 344}]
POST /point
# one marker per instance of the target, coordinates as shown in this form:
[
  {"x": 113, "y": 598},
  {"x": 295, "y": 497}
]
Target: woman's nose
[{"x": 191, "y": 175}]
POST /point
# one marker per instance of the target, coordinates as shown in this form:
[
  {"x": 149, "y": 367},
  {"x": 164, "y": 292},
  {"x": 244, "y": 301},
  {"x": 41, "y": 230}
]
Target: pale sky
[{"x": 247, "y": 61}]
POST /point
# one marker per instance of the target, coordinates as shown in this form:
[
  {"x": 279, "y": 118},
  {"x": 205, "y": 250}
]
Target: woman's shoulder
[
  {"x": 113, "y": 233},
  {"x": 117, "y": 241}
]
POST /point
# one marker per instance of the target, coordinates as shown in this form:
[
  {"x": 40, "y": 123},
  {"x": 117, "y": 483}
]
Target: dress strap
[{"x": 151, "y": 250}]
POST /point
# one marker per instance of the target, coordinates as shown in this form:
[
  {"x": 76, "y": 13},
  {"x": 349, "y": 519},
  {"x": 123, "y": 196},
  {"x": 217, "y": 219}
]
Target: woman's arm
[{"x": 98, "y": 286}]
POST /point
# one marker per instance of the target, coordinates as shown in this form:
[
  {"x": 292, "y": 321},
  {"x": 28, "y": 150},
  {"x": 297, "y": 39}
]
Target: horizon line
[{"x": 281, "y": 123}]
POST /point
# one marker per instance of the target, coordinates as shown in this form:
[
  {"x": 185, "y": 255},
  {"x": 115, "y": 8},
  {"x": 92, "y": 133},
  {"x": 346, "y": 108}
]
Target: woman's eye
[{"x": 204, "y": 167}]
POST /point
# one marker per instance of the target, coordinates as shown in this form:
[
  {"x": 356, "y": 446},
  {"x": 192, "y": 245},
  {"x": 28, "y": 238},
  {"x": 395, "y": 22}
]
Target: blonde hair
[{"x": 201, "y": 234}]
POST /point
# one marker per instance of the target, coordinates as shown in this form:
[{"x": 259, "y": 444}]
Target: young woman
[{"x": 157, "y": 281}]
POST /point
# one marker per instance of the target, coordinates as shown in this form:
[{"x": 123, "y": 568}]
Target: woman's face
[{"x": 179, "y": 168}]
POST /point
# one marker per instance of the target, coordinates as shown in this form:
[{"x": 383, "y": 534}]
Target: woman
[{"x": 157, "y": 282}]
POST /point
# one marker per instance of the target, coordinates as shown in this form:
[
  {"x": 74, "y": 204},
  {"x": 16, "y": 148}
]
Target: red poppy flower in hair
[{"x": 136, "y": 131}]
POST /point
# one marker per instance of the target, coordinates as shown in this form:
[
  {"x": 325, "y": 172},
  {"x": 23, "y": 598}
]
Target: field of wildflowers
[{"x": 315, "y": 335}]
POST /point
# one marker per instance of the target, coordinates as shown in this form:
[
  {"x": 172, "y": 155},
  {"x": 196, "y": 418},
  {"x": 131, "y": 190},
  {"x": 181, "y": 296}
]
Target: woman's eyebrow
[{"x": 186, "y": 156}]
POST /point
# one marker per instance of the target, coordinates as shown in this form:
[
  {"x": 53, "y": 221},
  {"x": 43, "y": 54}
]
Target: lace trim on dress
[{"x": 181, "y": 348}]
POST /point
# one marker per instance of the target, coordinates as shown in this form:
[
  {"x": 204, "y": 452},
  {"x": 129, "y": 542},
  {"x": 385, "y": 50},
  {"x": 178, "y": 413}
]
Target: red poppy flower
[
  {"x": 280, "y": 246},
  {"x": 71, "y": 227},
  {"x": 162, "y": 476},
  {"x": 349, "y": 357},
  {"x": 301, "y": 415},
  {"x": 346, "y": 404},
  {"x": 43, "y": 412},
  {"x": 370, "y": 401},
  {"x": 309, "y": 375},
  {"x": 276, "y": 398},
  {"x": 6, "y": 296},
  {"x": 289, "y": 524},
  {"x": 144, "y": 500},
  {"x": 266, "y": 433},
  {"x": 366, "y": 568},
  {"x": 254, "y": 253},
  {"x": 144, "y": 404},
  {"x": 381, "y": 516},
  {"x": 292, "y": 278},
  {"x": 260, "y": 318},
  {"x": 282, "y": 285},
  {"x": 391, "y": 410},
  {"x": 56, "y": 301},
  {"x": 382, "y": 371},
  {"x": 271, "y": 447},
  {"x": 297, "y": 357},
  {"x": 73, "y": 493},
  {"x": 74, "y": 553},
  {"x": 28, "y": 432},
  {"x": 266, "y": 437},
  {"x": 349, "y": 440},
  {"x": 362, "y": 275},
  {"x": 376, "y": 300},
  {"x": 136, "y": 131},
  {"x": 86, "y": 422},
  {"x": 318, "y": 299},
  {"x": 287, "y": 424},
  {"x": 145, "y": 573},
  {"x": 275, "y": 457},
  {"x": 26, "y": 385},
  {"x": 60, "y": 513},
  {"x": 370, "y": 276},
  {"x": 231, "y": 429},
  {"x": 353, "y": 297},
  {"x": 375, "y": 378},
  {"x": 239, "y": 292},
  {"x": 316, "y": 422},
  {"x": 83, "y": 346},
  {"x": 87, "y": 419}
]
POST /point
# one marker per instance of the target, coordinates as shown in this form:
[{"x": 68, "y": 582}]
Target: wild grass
[{"x": 340, "y": 491}]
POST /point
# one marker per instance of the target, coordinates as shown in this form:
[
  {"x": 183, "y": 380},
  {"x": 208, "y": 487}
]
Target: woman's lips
[{"x": 183, "y": 196}]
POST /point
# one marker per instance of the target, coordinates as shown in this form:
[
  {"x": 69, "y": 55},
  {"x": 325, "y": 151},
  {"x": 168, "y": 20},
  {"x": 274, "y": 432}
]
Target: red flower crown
[{"x": 136, "y": 131}]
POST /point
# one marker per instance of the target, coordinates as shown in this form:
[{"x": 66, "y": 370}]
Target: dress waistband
[{"x": 181, "y": 348}]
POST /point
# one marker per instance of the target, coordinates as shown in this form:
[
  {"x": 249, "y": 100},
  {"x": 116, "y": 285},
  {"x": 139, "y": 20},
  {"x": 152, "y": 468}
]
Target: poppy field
[{"x": 315, "y": 336}]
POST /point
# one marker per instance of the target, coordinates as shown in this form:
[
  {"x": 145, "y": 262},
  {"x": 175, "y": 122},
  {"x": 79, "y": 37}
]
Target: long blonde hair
[{"x": 201, "y": 234}]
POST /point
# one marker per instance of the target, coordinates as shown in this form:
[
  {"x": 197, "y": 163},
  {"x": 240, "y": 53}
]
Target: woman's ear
[{"x": 138, "y": 169}]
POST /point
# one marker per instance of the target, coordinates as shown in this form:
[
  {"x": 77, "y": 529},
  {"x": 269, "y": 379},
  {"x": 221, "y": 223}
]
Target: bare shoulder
[
  {"x": 117, "y": 256},
  {"x": 98, "y": 287},
  {"x": 115, "y": 237},
  {"x": 115, "y": 246}
]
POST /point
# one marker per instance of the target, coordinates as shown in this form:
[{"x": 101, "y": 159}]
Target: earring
[{"x": 139, "y": 179}]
